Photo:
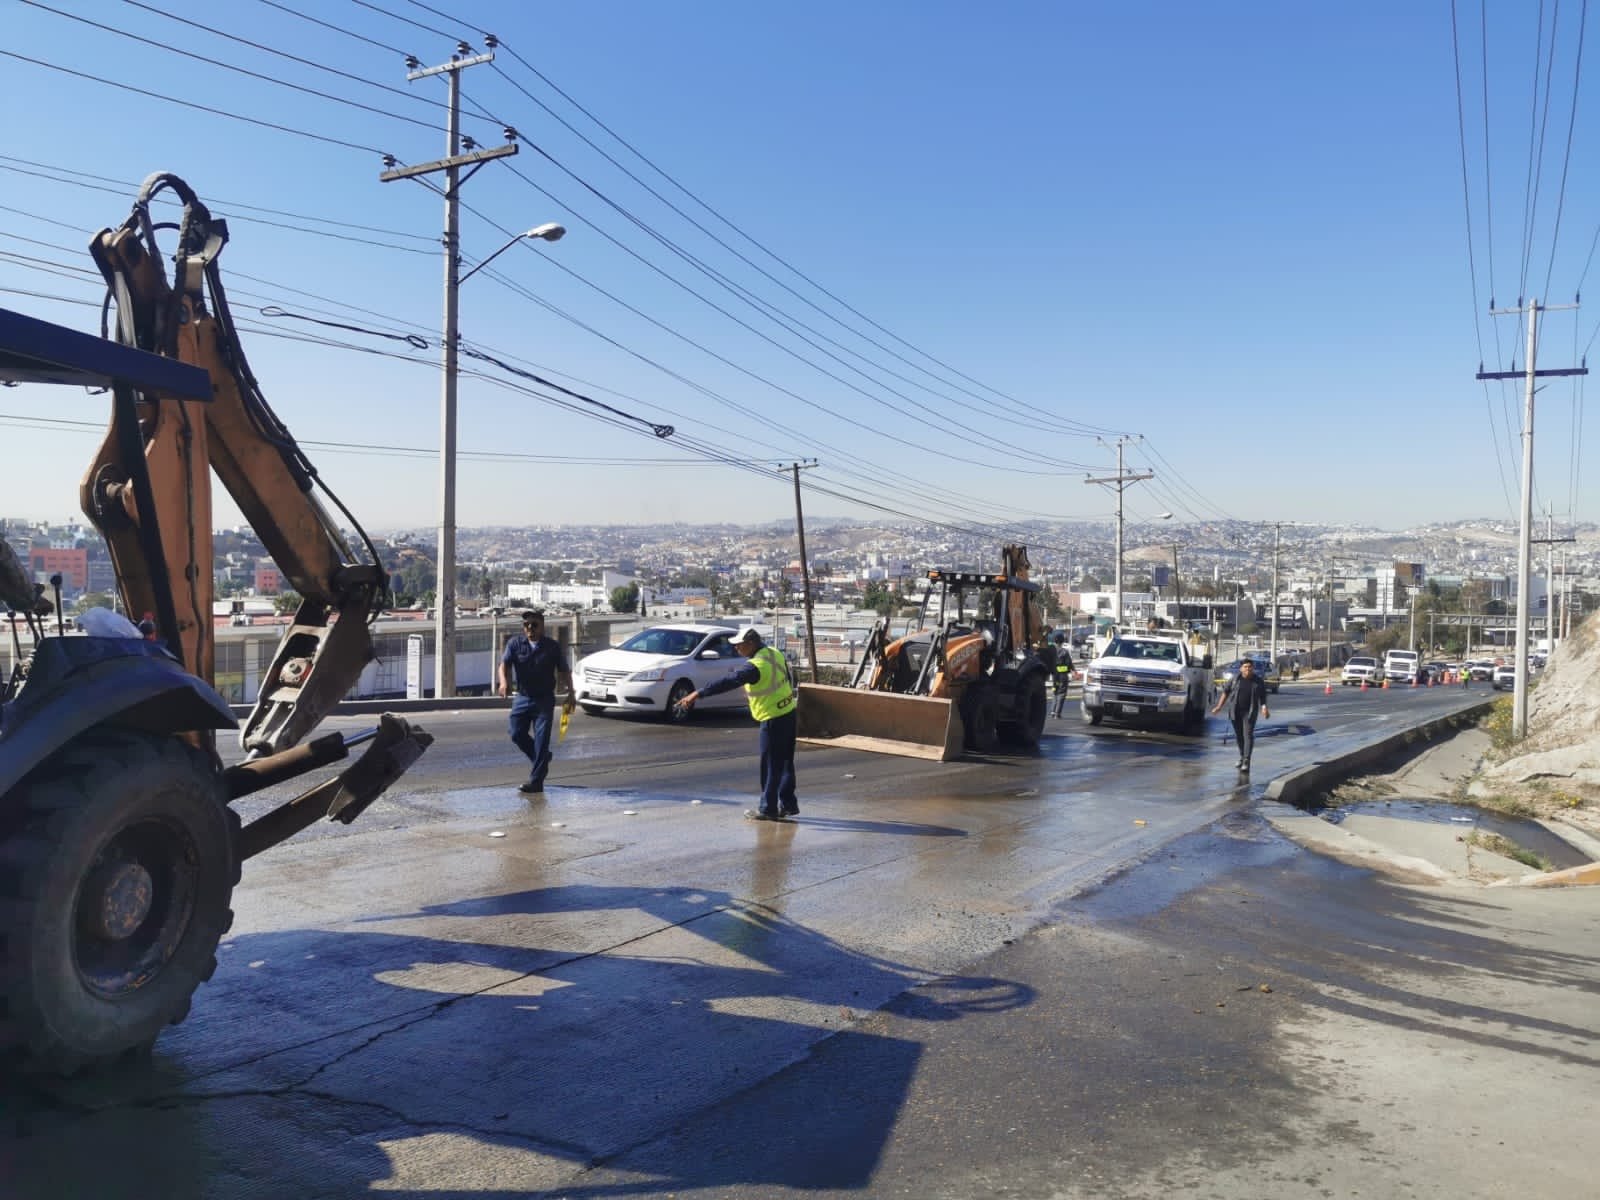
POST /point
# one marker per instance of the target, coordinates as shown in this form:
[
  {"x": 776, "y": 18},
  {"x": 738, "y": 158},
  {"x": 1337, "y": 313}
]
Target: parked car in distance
[
  {"x": 1504, "y": 677},
  {"x": 1361, "y": 669},
  {"x": 1435, "y": 670},
  {"x": 1263, "y": 668},
  {"x": 656, "y": 668},
  {"x": 1481, "y": 669}
]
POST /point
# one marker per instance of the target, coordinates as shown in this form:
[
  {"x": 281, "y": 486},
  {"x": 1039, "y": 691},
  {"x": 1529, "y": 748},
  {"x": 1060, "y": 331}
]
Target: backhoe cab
[{"x": 119, "y": 848}]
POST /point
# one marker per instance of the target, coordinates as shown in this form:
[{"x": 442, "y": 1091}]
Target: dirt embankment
[{"x": 1553, "y": 773}]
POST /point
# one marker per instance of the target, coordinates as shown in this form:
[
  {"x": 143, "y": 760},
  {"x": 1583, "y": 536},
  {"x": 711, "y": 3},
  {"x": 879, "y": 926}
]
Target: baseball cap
[{"x": 748, "y": 633}]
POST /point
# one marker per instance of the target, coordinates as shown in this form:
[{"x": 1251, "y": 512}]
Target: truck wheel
[
  {"x": 1091, "y": 716},
  {"x": 978, "y": 714},
  {"x": 114, "y": 891},
  {"x": 1033, "y": 708},
  {"x": 1194, "y": 718}
]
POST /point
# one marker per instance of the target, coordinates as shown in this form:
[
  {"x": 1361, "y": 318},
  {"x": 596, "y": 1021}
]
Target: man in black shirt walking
[
  {"x": 537, "y": 662},
  {"x": 1246, "y": 696}
]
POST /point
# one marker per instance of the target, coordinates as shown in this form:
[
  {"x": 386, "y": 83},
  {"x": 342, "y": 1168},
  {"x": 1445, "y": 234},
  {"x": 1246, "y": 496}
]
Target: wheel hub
[{"x": 117, "y": 900}]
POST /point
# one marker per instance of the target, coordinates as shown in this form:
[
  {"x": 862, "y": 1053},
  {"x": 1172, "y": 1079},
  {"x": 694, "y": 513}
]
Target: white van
[{"x": 1401, "y": 666}]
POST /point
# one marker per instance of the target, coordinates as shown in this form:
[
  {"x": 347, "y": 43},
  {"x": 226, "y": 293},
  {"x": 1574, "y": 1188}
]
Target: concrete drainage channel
[
  {"x": 1303, "y": 787},
  {"x": 1569, "y": 856}
]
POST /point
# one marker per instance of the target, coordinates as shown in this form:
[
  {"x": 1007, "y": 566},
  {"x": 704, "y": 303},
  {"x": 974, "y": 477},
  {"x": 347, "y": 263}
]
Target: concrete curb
[{"x": 1294, "y": 787}]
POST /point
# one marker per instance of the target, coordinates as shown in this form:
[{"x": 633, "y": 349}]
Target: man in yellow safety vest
[{"x": 770, "y": 691}]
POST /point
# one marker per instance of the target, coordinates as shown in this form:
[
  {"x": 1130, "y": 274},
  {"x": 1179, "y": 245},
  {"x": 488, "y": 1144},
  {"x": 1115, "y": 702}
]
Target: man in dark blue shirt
[
  {"x": 536, "y": 662},
  {"x": 1246, "y": 697}
]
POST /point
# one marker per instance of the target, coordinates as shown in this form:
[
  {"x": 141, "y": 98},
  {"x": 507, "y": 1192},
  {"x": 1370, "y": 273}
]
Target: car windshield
[
  {"x": 676, "y": 642},
  {"x": 1363, "y": 662},
  {"x": 1162, "y": 651}
]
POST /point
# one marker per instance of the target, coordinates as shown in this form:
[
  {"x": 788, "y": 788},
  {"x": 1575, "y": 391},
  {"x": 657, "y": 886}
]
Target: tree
[
  {"x": 285, "y": 602},
  {"x": 94, "y": 600},
  {"x": 625, "y": 599},
  {"x": 877, "y": 597}
]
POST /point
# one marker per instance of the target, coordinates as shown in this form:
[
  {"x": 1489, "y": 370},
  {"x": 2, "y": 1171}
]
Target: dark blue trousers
[
  {"x": 777, "y": 767},
  {"x": 540, "y": 714}
]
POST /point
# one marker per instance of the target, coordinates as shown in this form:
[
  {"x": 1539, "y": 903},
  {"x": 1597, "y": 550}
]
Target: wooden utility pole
[
  {"x": 805, "y": 567},
  {"x": 1519, "y": 703}
]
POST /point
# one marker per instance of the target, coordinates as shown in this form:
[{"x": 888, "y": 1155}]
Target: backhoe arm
[{"x": 148, "y": 488}]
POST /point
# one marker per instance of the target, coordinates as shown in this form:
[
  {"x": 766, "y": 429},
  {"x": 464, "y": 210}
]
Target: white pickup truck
[{"x": 1149, "y": 677}]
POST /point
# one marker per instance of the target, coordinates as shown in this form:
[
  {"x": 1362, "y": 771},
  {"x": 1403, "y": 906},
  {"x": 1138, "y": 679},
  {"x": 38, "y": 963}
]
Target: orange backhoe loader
[
  {"x": 967, "y": 677},
  {"x": 119, "y": 848}
]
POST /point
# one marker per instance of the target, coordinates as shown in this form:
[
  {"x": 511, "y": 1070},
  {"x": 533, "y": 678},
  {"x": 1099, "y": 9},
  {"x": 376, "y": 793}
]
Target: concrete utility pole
[
  {"x": 805, "y": 568},
  {"x": 1120, "y": 481},
  {"x": 1277, "y": 541},
  {"x": 444, "y": 649},
  {"x": 1552, "y": 629},
  {"x": 1519, "y": 704}
]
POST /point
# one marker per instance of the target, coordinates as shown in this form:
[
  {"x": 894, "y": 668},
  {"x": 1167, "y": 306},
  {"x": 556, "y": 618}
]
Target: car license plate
[{"x": 1128, "y": 710}]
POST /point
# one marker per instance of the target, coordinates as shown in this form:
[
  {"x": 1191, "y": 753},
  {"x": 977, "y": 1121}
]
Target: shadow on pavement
[{"x": 324, "y": 1063}]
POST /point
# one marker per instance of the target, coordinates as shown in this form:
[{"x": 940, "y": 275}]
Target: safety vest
[{"x": 772, "y": 695}]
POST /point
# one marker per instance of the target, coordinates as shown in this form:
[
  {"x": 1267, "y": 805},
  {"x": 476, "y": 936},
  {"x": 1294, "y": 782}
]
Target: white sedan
[{"x": 656, "y": 668}]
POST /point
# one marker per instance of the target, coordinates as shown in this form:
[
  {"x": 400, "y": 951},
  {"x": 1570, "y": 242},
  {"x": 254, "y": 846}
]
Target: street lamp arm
[{"x": 550, "y": 233}]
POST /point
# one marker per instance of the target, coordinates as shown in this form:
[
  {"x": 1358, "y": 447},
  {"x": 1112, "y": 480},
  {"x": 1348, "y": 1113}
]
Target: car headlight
[
  {"x": 1092, "y": 675},
  {"x": 1177, "y": 685},
  {"x": 650, "y": 676}
]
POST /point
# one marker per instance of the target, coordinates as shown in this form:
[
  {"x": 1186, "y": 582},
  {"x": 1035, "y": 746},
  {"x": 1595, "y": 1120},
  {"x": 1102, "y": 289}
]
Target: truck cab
[
  {"x": 1149, "y": 677},
  {"x": 1401, "y": 666}
]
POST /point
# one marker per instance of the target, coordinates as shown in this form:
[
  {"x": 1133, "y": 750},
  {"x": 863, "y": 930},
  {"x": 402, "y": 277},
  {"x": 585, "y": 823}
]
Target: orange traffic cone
[
  {"x": 1413, "y": 681},
  {"x": 1386, "y": 685},
  {"x": 1363, "y": 685},
  {"x": 1327, "y": 688}
]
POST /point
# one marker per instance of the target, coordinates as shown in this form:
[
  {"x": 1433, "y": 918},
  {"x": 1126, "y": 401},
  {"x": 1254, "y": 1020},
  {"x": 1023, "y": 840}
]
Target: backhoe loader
[
  {"x": 968, "y": 677},
  {"x": 119, "y": 848}
]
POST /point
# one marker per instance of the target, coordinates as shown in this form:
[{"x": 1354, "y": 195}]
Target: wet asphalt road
[{"x": 414, "y": 1005}]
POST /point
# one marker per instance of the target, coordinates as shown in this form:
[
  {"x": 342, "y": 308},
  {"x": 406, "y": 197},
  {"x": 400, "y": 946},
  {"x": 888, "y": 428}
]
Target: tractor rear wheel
[
  {"x": 115, "y": 881},
  {"x": 978, "y": 714},
  {"x": 1032, "y": 708}
]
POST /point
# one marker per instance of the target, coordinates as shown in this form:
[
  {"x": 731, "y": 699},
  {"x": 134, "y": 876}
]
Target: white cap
[{"x": 748, "y": 633}]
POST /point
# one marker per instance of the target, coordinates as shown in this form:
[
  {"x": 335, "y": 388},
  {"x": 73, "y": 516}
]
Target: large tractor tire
[
  {"x": 115, "y": 880},
  {"x": 979, "y": 717},
  {"x": 1032, "y": 708}
]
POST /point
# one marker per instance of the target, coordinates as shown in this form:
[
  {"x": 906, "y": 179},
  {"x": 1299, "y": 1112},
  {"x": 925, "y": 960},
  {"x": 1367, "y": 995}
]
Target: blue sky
[{"x": 1236, "y": 230}]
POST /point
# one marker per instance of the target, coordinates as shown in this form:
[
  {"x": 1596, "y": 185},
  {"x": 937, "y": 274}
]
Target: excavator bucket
[{"x": 882, "y": 722}]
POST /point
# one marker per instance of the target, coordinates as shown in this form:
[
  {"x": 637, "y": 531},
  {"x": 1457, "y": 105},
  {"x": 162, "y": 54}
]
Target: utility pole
[
  {"x": 1550, "y": 540},
  {"x": 1330, "y": 624},
  {"x": 1277, "y": 541},
  {"x": 1177, "y": 588},
  {"x": 1519, "y": 703},
  {"x": 1120, "y": 481},
  {"x": 805, "y": 568},
  {"x": 444, "y": 648}
]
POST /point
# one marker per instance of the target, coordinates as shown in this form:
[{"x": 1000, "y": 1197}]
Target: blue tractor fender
[{"x": 77, "y": 683}]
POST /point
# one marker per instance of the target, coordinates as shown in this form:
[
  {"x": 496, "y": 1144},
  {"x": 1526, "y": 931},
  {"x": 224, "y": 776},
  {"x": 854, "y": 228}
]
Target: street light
[
  {"x": 549, "y": 232},
  {"x": 444, "y": 645}
]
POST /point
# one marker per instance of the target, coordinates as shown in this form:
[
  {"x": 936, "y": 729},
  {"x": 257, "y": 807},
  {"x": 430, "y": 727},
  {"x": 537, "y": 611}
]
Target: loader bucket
[{"x": 882, "y": 722}]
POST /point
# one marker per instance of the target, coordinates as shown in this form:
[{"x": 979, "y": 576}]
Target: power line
[
  {"x": 226, "y": 66},
  {"x": 1566, "y": 159},
  {"x": 206, "y": 108},
  {"x": 335, "y": 28},
  {"x": 121, "y": 187},
  {"x": 1472, "y": 267}
]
